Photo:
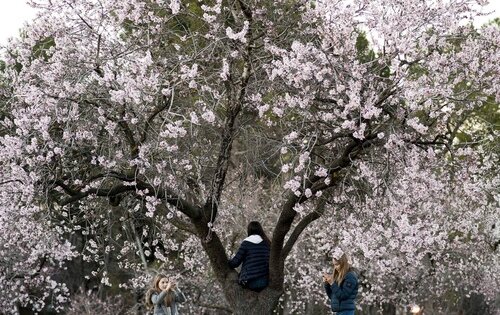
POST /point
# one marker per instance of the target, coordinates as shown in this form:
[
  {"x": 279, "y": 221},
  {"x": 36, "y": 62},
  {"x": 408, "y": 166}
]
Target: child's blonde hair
[{"x": 155, "y": 288}]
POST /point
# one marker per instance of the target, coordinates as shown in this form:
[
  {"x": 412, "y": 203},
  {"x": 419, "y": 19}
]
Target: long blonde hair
[
  {"x": 338, "y": 276},
  {"x": 155, "y": 288}
]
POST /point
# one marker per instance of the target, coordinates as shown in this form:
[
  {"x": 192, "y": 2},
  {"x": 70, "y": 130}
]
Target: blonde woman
[
  {"x": 342, "y": 285},
  {"x": 164, "y": 296}
]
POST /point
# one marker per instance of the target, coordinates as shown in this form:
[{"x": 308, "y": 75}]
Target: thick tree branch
[
  {"x": 166, "y": 194},
  {"x": 11, "y": 181},
  {"x": 301, "y": 226},
  {"x": 158, "y": 110},
  {"x": 35, "y": 273},
  {"x": 229, "y": 131},
  {"x": 288, "y": 213},
  {"x": 78, "y": 195},
  {"x": 214, "y": 249},
  {"x": 178, "y": 222},
  {"x": 129, "y": 136}
]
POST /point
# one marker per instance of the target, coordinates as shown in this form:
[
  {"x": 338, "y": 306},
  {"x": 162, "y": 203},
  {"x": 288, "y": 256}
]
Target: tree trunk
[
  {"x": 242, "y": 301},
  {"x": 246, "y": 302}
]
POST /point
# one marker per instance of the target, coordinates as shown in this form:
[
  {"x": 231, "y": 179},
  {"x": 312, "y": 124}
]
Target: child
[{"x": 164, "y": 296}]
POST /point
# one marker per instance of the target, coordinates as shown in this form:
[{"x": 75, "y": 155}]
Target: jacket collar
[{"x": 256, "y": 239}]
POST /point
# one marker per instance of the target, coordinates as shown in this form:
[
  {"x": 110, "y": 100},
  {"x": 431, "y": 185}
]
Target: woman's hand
[
  {"x": 169, "y": 286},
  {"x": 173, "y": 284},
  {"x": 327, "y": 278}
]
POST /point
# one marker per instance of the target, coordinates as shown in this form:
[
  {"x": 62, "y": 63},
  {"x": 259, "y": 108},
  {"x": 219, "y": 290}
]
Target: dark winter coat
[
  {"x": 343, "y": 297},
  {"x": 254, "y": 255}
]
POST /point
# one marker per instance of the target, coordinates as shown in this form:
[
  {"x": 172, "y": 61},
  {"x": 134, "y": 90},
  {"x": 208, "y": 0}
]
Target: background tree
[{"x": 143, "y": 125}]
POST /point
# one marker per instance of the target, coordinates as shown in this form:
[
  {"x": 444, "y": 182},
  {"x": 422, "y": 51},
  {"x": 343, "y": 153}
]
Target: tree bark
[
  {"x": 246, "y": 302},
  {"x": 241, "y": 301}
]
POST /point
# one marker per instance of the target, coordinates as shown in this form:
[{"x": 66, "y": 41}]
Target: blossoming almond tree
[
  {"x": 151, "y": 108},
  {"x": 32, "y": 251}
]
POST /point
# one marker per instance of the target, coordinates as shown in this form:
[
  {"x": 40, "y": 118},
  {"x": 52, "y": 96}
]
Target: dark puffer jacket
[
  {"x": 343, "y": 297},
  {"x": 254, "y": 255}
]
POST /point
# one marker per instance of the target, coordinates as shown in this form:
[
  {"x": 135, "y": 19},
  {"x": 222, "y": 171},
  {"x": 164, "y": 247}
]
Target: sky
[{"x": 14, "y": 13}]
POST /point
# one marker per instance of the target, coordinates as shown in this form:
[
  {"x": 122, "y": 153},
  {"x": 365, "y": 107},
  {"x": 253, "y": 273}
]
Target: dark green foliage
[
  {"x": 40, "y": 50},
  {"x": 366, "y": 55}
]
